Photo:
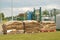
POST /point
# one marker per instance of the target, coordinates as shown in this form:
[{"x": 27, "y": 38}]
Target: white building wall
[{"x": 58, "y": 22}]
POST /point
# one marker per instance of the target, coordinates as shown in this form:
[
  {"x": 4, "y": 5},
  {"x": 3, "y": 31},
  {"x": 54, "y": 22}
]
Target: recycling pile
[
  {"x": 48, "y": 26},
  {"x": 31, "y": 26},
  {"x": 28, "y": 26},
  {"x": 15, "y": 27}
]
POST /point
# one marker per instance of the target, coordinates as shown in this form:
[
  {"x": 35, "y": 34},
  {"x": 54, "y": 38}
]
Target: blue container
[{"x": 29, "y": 15}]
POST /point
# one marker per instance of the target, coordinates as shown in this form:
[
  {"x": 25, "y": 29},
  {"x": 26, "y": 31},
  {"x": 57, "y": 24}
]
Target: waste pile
[
  {"x": 48, "y": 26},
  {"x": 28, "y": 26},
  {"x": 14, "y": 27},
  {"x": 31, "y": 26}
]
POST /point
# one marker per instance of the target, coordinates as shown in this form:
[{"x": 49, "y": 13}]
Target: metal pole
[
  {"x": 55, "y": 15},
  {"x": 51, "y": 14},
  {"x": 0, "y": 14},
  {"x": 40, "y": 14},
  {"x": 34, "y": 14},
  {"x": 12, "y": 9},
  {"x": 0, "y": 17}
]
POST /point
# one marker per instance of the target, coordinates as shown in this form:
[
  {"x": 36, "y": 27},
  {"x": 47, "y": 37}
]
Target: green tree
[
  {"x": 2, "y": 16},
  {"x": 45, "y": 12}
]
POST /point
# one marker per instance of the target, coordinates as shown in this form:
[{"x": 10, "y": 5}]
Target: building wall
[{"x": 58, "y": 22}]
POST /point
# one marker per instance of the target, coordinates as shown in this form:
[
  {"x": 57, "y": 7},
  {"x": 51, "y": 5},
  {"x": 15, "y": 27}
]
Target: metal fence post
[{"x": 40, "y": 18}]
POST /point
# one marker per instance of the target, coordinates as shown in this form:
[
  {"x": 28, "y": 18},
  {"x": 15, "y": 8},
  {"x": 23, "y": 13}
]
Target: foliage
[
  {"x": 45, "y": 12},
  {"x": 2, "y": 16}
]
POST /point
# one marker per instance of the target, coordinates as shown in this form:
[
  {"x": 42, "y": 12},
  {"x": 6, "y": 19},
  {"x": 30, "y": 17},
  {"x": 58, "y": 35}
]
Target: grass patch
[{"x": 34, "y": 36}]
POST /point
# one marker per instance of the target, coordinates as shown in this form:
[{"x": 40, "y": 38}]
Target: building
[{"x": 58, "y": 21}]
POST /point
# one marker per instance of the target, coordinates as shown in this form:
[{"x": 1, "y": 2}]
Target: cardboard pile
[
  {"x": 31, "y": 26},
  {"x": 28, "y": 26},
  {"x": 49, "y": 26},
  {"x": 15, "y": 26}
]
